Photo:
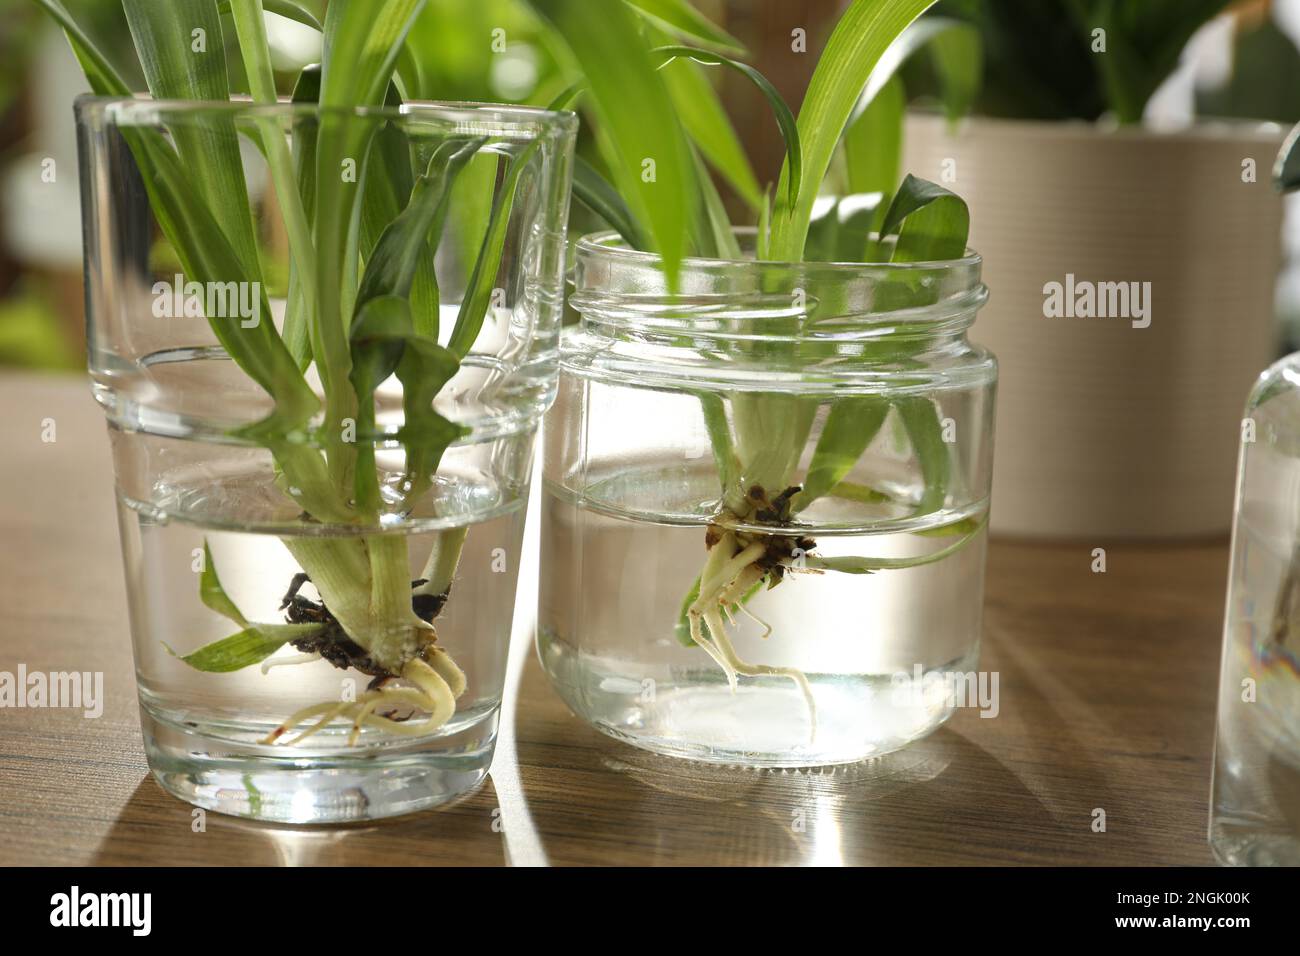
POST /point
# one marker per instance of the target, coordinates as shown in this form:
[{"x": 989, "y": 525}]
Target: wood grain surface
[{"x": 1107, "y": 685}]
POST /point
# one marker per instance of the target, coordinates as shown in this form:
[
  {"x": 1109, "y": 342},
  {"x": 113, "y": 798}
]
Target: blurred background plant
[{"x": 1014, "y": 58}]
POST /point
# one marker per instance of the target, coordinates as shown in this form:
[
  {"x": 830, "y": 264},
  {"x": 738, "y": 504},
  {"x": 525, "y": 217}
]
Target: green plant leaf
[
  {"x": 212, "y": 594},
  {"x": 724, "y": 449},
  {"x": 296, "y": 337},
  {"x": 651, "y": 159},
  {"x": 873, "y": 142},
  {"x": 596, "y": 193},
  {"x": 180, "y": 44},
  {"x": 968, "y": 528},
  {"x": 478, "y": 293},
  {"x": 410, "y": 237},
  {"x": 250, "y": 27},
  {"x": 253, "y": 644},
  {"x": 784, "y": 117},
  {"x": 842, "y": 230},
  {"x": 423, "y": 371},
  {"x": 924, "y": 428},
  {"x": 956, "y": 52},
  {"x": 362, "y": 41},
  {"x": 680, "y": 17},
  {"x": 250, "y": 646},
  {"x": 711, "y": 232},
  {"x": 104, "y": 79},
  {"x": 384, "y": 342},
  {"x": 860, "y": 38},
  {"x": 1143, "y": 44},
  {"x": 958, "y": 57},
  {"x": 932, "y": 223},
  {"x": 850, "y": 426},
  {"x": 710, "y": 128},
  {"x": 284, "y": 8}
]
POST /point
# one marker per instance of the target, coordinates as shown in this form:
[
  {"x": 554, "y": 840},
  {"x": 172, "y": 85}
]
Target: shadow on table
[
  {"x": 156, "y": 829},
  {"x": 927, "y": 804},
  {"x": 944, "y": 799}
]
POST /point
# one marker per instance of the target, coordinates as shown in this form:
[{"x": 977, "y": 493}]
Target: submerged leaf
[
  {"x": 853, "y": 564},
  {"x": 850, "y": 426},
  {"x": 250, "y": 646},
  {"x": 253, "y": 644},
  {"x": 921, "y": 419},
  {"x": 213, "y": 594}
]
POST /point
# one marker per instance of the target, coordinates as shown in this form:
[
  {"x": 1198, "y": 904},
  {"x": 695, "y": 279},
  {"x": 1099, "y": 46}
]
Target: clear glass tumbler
[
  {"x": 1255, "y": 799},
  {"x": 765, "y": 503},
  {"x": 321, "y": 600}
]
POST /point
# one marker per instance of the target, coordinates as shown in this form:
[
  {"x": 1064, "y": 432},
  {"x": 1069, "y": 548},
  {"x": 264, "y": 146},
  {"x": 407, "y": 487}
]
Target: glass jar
[
  {"x": 1255, "y": 800},
  {"x": 765, "y": 502},
  {"x": 261, "y": 532}
]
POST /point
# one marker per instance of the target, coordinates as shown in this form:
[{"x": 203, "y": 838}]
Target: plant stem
[{"x": 444, "y": 557}]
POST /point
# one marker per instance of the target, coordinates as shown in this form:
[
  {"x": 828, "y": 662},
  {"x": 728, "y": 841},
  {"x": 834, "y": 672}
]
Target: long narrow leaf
[
  {"x": 250, "y": 646},
  {"x": 478, "y": 294},
  {"x": 362, "y": 42},
  {"x": 181, "y": 49},
  {"x": 596, "y": 193},
  {"x": 850, "y": 426},
  {"x": 921, "y": 420},
  {"x": 284, "y": 8},
  {"x": 104, "y": 79},
  {"x": 702, "y": 114},
  {"x": 860, "y": 38},
  {"x": 682, "y": 18},
  {"x": 780, "y": 109},
  {"x": 652, "y": 162},
  {"x": 302, "y": 288},
  {"x": 405, "y": 244}
]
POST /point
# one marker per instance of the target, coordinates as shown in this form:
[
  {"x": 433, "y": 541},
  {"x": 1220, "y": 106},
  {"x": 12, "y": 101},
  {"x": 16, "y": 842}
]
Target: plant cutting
[
  {"x": 774, "y": 335},
  {"x": 344, "y": 462}
]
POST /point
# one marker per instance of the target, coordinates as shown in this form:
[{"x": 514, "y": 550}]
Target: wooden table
[{"x": 1107, "y": 701}]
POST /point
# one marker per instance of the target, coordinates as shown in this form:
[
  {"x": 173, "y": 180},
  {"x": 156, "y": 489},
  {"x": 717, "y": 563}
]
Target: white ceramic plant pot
[{"x": 1109, "y": 426}]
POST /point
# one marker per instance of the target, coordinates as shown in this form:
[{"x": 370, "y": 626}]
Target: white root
[
  {"x": 697, "y": 635},
  {"x": 287, "y": 661},
  {"x": 767, "y": 628},
  {"x": 723, "y": 585},
  {"x": 434, "y": 686}
]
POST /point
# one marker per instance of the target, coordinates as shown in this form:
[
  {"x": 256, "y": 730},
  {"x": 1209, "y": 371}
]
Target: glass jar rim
[
  {"x": 618, "y": 287},
  {"x": 610, "y": 244},
  {"x": 510, "y": 119}
]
